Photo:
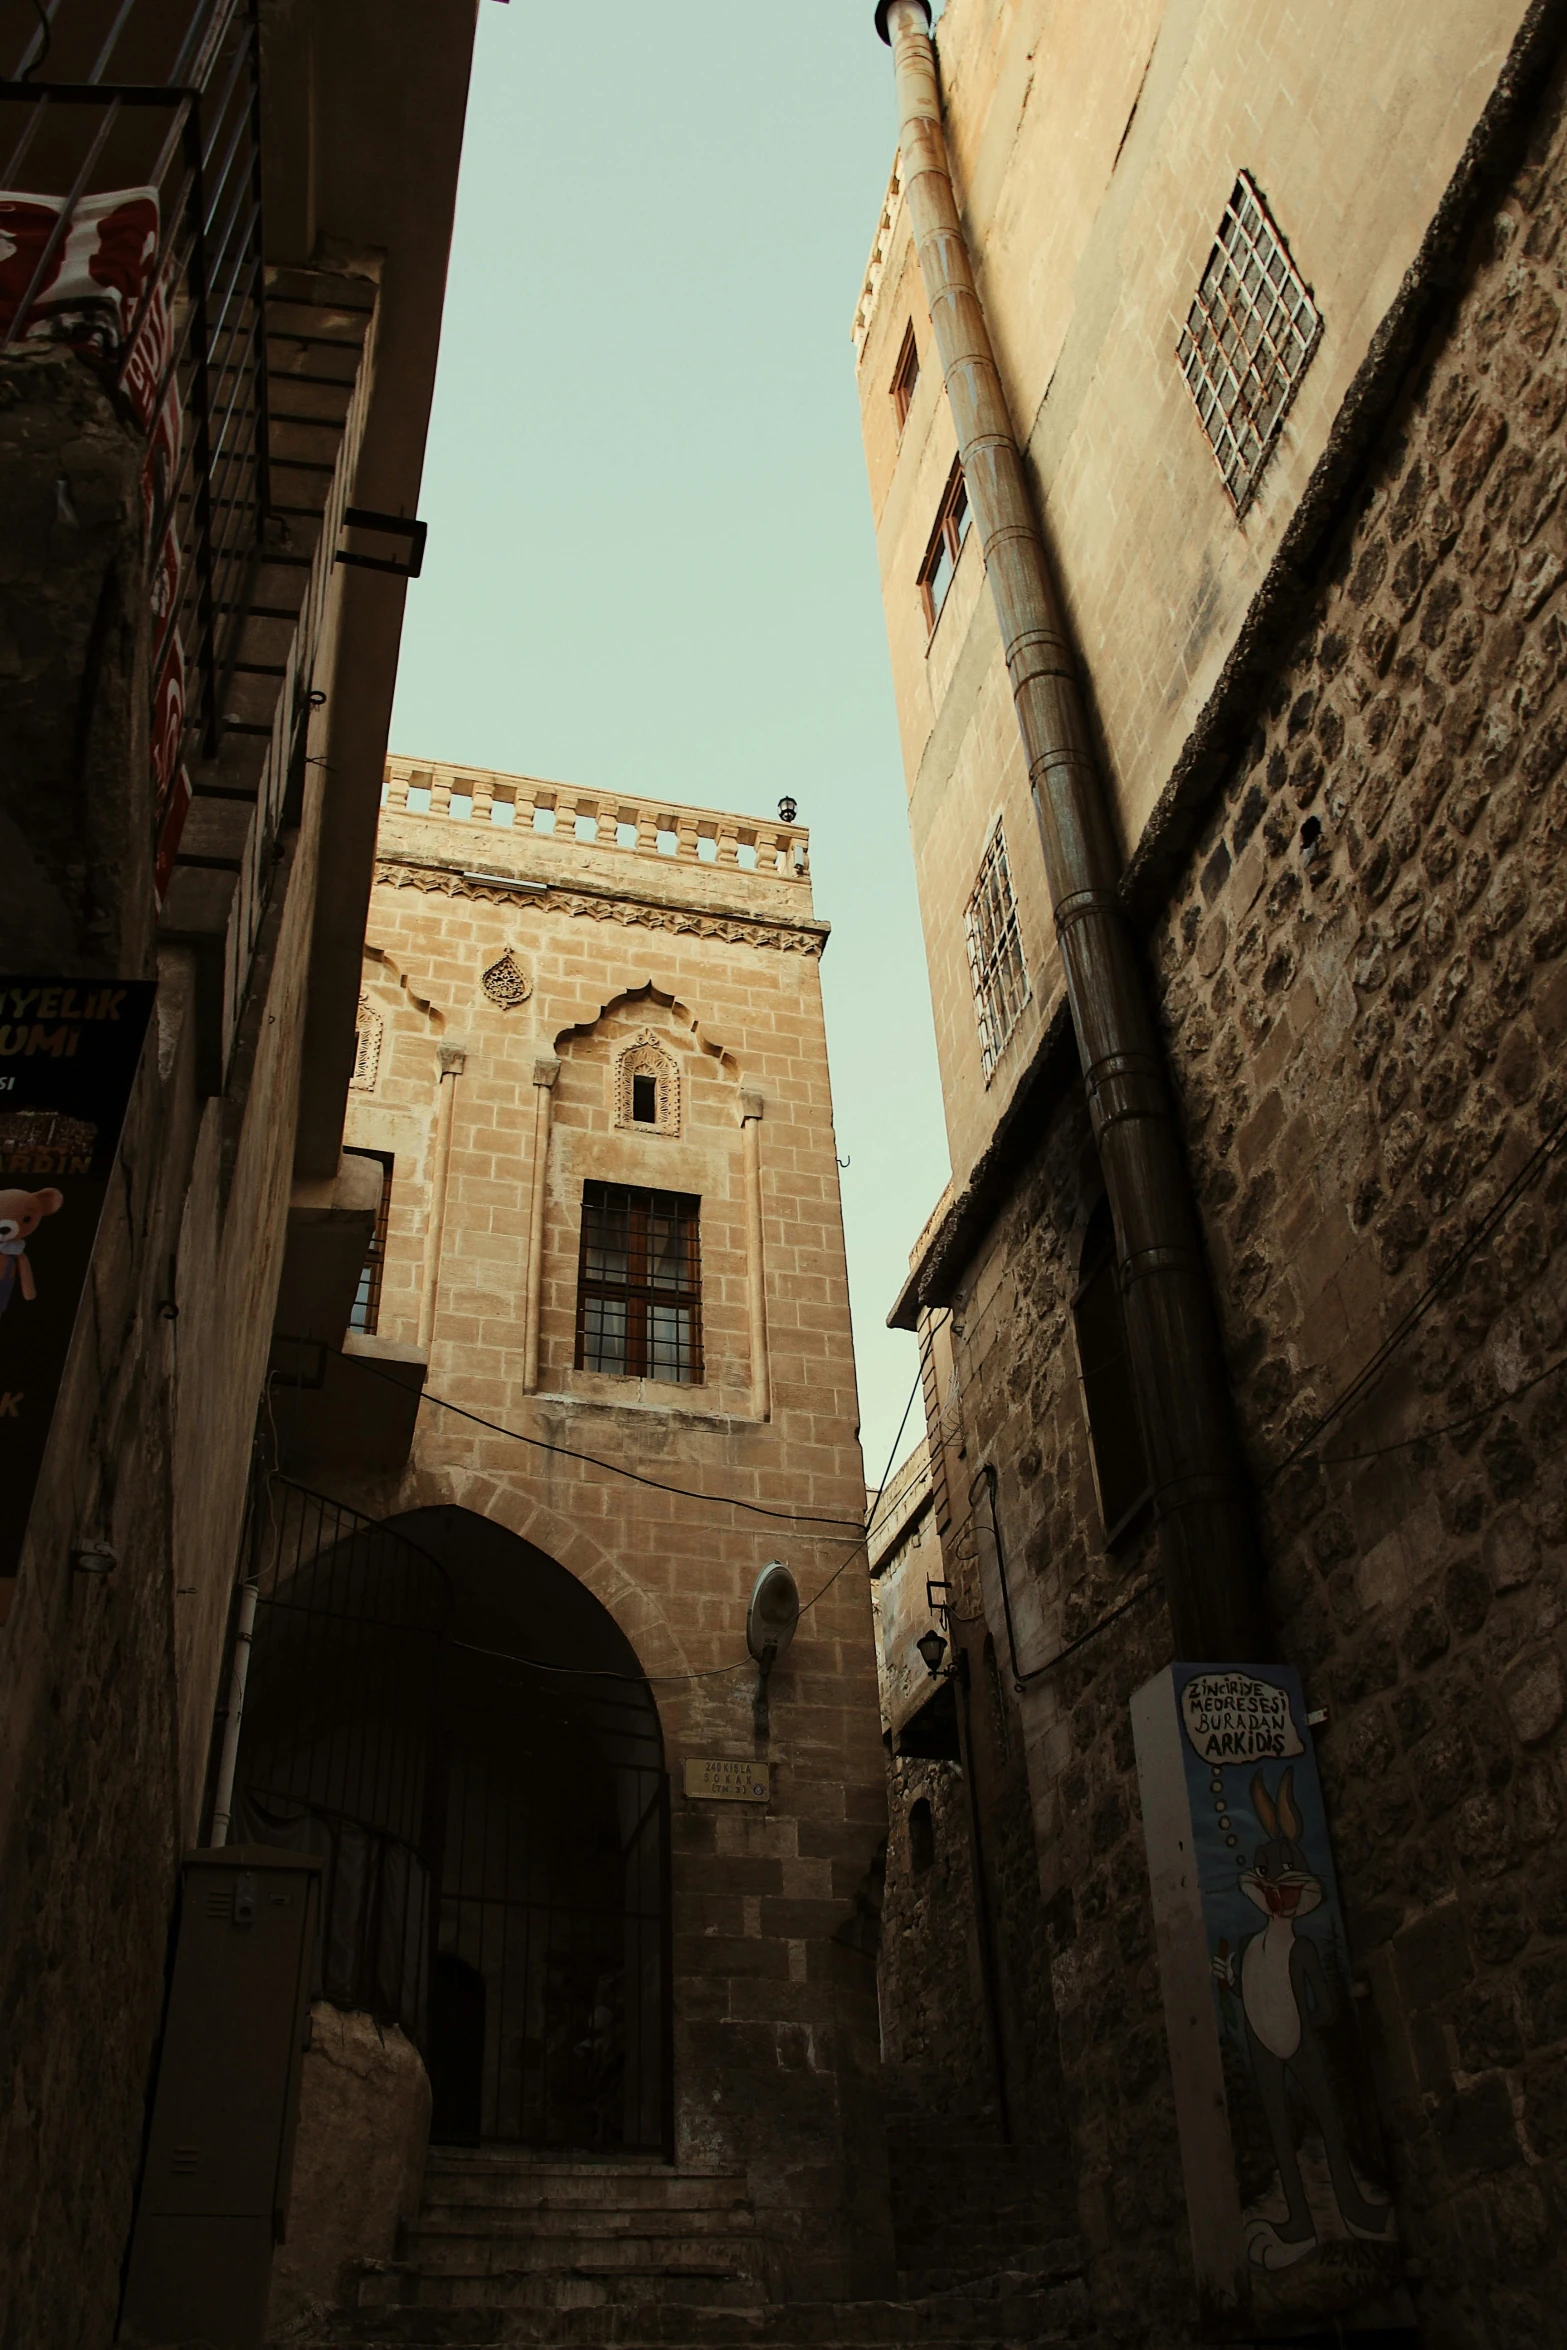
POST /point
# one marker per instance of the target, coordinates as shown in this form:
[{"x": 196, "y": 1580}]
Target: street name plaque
[{"x": 718, "y": 1780}]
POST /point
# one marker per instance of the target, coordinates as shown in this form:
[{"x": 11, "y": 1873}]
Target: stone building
[
  {"x": 227, "y": 346},
  {"x": 599, "y": 1378},
  {"x": 1274, "y": 300}
]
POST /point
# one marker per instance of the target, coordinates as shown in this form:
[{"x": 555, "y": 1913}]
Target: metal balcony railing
[{"x": 130, "y": 195}]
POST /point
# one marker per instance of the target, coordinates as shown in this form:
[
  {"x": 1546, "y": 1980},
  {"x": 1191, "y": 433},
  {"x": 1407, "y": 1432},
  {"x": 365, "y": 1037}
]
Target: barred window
[
  {"x": 995, "y": 953},
  {"x": 639, "y": 1284},
  {"x": 1247, "y": 341},
  {"x": 365, "y": 1313}
]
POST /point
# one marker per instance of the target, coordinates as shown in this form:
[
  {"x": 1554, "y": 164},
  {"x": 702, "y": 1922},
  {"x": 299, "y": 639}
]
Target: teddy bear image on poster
[{"x": 21, "y": 1213}]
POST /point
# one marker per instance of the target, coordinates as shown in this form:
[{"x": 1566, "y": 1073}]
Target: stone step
[
  {"x": 551, "y": 2291},
  {"x": 1006, "y": 2309},
  {"x": 565, "y": 2236},
  {"x": 526, "y": 2187},
  {"x": 484, "y": 2255}
]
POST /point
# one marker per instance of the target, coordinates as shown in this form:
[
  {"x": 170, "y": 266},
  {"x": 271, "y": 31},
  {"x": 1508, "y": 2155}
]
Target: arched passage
[
  {"x": 548, "y": 1968},
  {"x": 465, "y": 1734}
]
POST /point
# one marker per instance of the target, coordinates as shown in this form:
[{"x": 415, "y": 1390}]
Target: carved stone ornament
[
  {"x": 506, "y": 983},
  {"x": 743, "y": 931},
  {"x": 647, "y": 1058},
  {"x": 367, "y": 1048}
]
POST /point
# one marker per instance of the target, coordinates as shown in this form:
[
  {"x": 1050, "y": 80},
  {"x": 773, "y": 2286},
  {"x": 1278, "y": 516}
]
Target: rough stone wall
[
  {"x": 1365, "y": 995},
  {"x": 932, "y": 2011},
  {"x": 107, "y": 1684},
  {"x": 364, "y": 2130}
]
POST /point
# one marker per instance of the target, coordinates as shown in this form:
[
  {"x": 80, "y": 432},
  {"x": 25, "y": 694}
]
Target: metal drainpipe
[{"x": 1206, "y": 1543}]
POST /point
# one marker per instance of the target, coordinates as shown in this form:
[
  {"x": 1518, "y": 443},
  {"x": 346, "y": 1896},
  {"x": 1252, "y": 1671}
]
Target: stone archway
[{"x": 548, "y": 1977}]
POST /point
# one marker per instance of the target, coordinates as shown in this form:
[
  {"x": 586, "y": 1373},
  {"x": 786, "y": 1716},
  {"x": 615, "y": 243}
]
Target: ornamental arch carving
[
  {"x": 368, "y": 1031},
  {"x": 647, "y": 1087}
]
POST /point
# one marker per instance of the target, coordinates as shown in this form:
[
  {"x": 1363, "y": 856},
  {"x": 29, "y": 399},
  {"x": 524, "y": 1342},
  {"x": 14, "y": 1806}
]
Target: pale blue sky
[{"x": 651, "y": 565}]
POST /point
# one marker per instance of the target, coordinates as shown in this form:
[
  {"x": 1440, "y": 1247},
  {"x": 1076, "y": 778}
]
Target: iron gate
[
  {"x": 549, "y": 1973},
  {"x": 495, "y": 1835},
  {"x": 336, "y": 1746}
]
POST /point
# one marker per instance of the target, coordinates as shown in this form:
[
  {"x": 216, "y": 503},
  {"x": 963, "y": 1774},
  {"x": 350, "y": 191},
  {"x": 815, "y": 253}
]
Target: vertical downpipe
[
  {"x": 545, "y": 1071},
  {"x": 453, "y": 1061},
  {"x": 756, "y": 1269},
  {"x": 244, "y": 1633},
  {"x": 1205, "y": 1537}
]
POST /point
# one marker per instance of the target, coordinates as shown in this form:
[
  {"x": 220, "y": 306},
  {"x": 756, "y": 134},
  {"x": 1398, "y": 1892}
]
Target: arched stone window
[
  {"x": 367, "y": 1048},
  {"x": 647, "y": 1088},
  {"x": 922, "y": 1836}
]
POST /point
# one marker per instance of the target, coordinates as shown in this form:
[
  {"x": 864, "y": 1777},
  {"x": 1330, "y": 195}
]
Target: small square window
[
  {"x": 644, "y": 1099},
  {"x": 946, "y": 544},
  {"x": 905, "y": 376}
]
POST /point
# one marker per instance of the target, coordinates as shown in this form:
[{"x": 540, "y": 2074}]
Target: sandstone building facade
[
  {"x": 1311, "y": 597},
  {"x": 227, "y": 345},
  {"x": 609, "y": 1278}
]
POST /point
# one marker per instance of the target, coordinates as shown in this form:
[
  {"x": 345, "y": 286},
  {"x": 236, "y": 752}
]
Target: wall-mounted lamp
[
  {"x": 769, "y": 1627},
  {"x": 932, "y": 1648}
]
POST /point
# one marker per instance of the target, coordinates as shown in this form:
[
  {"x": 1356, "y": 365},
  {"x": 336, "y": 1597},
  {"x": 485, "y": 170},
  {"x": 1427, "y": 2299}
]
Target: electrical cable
[
  {"x": 591, "y": 1460},
  {"x": 1335, "y": 1460},
  {"x": 47, "y": 30},
  {"x": 1365, "y": 1379},
  {"x": 603, "y": 1673}
]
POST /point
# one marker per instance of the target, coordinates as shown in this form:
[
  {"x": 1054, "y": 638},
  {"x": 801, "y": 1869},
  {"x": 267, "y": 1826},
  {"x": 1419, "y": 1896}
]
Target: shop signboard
[{"x": 69, "y": 1051}]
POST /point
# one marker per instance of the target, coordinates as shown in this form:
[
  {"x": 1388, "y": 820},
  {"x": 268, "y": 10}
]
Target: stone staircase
[
  {"x": 966, "y": 2205},
  {"x": 637, "y": 2255}
]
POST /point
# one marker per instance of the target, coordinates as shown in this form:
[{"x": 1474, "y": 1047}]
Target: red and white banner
[{"x": 96, "y": 276}]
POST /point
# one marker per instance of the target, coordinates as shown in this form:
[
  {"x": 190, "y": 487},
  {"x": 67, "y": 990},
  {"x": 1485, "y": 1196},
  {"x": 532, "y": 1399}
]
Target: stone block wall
[
  {"x": 1362, "y": 979},
  {"x": 775, "y": 2052}
]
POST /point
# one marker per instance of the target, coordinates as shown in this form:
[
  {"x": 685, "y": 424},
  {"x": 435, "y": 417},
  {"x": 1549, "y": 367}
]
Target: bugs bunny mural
[{"x": 1286, "y": 2002}]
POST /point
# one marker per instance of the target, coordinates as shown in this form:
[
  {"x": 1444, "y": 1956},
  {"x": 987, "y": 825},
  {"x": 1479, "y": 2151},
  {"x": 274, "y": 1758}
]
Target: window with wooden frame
[
  {"x": 639, "y": 1284},
  {"x": 905, "y": 376},
  {"x": 364, "y": 1314},
  {"x": 1105, "y": 1367},
  {"x": 946, "y": 544}
]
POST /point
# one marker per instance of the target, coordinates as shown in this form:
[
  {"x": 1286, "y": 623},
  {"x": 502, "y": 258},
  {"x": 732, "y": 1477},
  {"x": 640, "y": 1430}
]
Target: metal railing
[{"x": 157, "y": 102}]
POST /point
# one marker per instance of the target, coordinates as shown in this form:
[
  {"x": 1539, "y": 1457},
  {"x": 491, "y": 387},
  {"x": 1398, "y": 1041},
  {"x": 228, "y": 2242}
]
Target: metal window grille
[
  {"x": 639, "y": 1285},
  {"x": 995, "y": 953},
  {"x": 1247, "y": 341},
  {"x": 365, "y": 1313}
]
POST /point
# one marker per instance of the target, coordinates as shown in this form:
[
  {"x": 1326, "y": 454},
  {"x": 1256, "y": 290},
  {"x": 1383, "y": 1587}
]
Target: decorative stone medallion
[{"x": 506, "y": 983}]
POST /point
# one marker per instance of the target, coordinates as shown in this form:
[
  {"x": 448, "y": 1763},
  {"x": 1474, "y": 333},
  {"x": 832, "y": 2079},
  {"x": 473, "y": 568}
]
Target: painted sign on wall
[
  {"x": 1286, "y": 2185},
  {"x": 69, "y": 1050}
]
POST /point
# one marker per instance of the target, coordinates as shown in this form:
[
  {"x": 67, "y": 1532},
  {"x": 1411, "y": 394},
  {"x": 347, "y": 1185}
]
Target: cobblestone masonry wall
[{"x": 1365, "y": 993}]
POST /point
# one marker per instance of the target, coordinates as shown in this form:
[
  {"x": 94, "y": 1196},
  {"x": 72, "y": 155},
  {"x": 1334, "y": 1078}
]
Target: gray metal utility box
[{"x": 215, "y": 2190}]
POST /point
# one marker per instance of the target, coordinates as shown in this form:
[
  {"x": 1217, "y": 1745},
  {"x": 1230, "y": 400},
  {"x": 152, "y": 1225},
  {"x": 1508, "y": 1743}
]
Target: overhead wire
[{"x": 532, "y": 1664}]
